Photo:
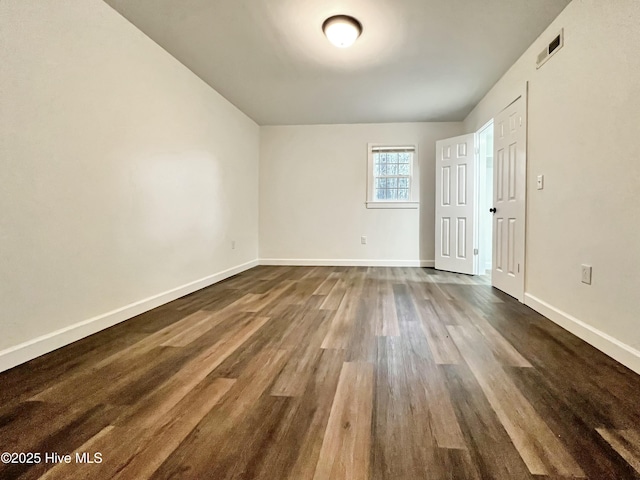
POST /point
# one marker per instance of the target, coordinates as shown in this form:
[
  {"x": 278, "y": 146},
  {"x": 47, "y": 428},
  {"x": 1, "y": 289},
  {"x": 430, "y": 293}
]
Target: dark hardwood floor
[{"x": 328, "y": 373}]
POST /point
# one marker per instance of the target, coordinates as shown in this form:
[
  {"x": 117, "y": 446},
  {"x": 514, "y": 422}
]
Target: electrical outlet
[
  {"x": 363, "y": 239},
  {"x": 586, "y": 274},
  {"x": 233, "y": 244},
  {"x": 540, "y": 182}
]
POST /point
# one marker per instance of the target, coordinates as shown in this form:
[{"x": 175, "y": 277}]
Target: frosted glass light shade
[{"x": 342, "y": 30}]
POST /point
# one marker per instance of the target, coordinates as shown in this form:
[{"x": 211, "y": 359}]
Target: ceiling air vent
[{"x": 555, "y": 45}]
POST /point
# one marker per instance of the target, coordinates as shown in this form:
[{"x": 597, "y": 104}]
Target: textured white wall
[
  {"x": 584, "y": 130},
  {"x": 123, "y": 175},
  {"x": 313, "y": 191}
]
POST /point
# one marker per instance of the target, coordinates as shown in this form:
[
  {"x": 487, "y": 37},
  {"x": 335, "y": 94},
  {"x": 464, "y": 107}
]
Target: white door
[
  {"x": 509, "y": 197},
  {"x": 455, "y": 204}
]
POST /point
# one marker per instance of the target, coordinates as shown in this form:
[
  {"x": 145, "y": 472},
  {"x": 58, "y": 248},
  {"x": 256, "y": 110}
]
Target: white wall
[
  {"x": 123, "y": 175},
  {"x": 313, "y": 192},
  {"x": 584, "y": 130}
]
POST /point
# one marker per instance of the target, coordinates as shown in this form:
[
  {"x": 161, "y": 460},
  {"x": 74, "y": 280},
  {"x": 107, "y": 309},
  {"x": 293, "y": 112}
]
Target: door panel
[
  {"x": 498, "y": 236},
  {"x": 455, "y": 204},
  {"x": 509, "y": 199},
  {"x": 461, "y": 236},
  {"x": 462, "y": 184},
  {"x": 446, "y": 183},
  {"x": 446, "y": 237}
]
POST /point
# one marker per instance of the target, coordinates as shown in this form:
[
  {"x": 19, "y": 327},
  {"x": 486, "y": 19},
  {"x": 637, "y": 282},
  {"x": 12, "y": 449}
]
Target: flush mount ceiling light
[{"x": 342, "y": 30}]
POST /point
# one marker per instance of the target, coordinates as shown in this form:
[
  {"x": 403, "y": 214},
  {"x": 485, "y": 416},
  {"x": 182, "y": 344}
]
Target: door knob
[{"x": 492, "y": 210}]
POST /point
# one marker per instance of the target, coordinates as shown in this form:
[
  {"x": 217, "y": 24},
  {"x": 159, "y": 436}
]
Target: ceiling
[{"x": 417, "y": 60}]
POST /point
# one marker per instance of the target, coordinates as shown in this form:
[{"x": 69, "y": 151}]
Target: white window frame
[{"x": 414, "y": 189}]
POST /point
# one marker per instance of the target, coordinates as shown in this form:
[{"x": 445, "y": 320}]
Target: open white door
[
  {"x": 455, "y": 204},
  {"x": 509, "y": 198}
]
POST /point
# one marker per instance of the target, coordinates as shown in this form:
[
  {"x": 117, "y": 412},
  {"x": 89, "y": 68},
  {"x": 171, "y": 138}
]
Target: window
[{"x": 392, "y": 179}]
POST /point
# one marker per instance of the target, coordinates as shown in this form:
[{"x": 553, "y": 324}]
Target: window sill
[{"x": 413, "y": 205}]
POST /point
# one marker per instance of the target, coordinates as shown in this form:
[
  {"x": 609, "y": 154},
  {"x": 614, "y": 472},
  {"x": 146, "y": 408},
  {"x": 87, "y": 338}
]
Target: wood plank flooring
[{"x": 328, "y": 373}]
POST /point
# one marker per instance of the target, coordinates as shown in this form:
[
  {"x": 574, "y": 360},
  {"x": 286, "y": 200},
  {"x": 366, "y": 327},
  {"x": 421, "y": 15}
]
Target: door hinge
[{"x": 475, "y": 251}]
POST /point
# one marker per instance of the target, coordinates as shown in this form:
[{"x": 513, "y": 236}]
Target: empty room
[{"x": 320, "y": 239}]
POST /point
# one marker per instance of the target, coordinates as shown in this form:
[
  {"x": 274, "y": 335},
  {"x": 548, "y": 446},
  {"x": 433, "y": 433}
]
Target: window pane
[{"x": 392, "y": 175}]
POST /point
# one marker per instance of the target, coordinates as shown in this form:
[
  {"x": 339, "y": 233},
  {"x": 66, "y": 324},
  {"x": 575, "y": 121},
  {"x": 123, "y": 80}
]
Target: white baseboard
[
  {"x": 31, "y": 349},
  {"x": 330, "y": 262},
  {"x": 623, "y": 353}
]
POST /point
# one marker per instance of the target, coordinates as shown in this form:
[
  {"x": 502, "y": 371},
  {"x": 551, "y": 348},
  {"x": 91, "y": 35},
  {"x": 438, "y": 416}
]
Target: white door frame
[
  {"x": 521, "y": 92},
  {"x": 482, "y": 212}
]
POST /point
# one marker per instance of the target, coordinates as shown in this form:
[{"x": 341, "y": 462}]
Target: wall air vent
[{"x": 555, "y": 45}]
